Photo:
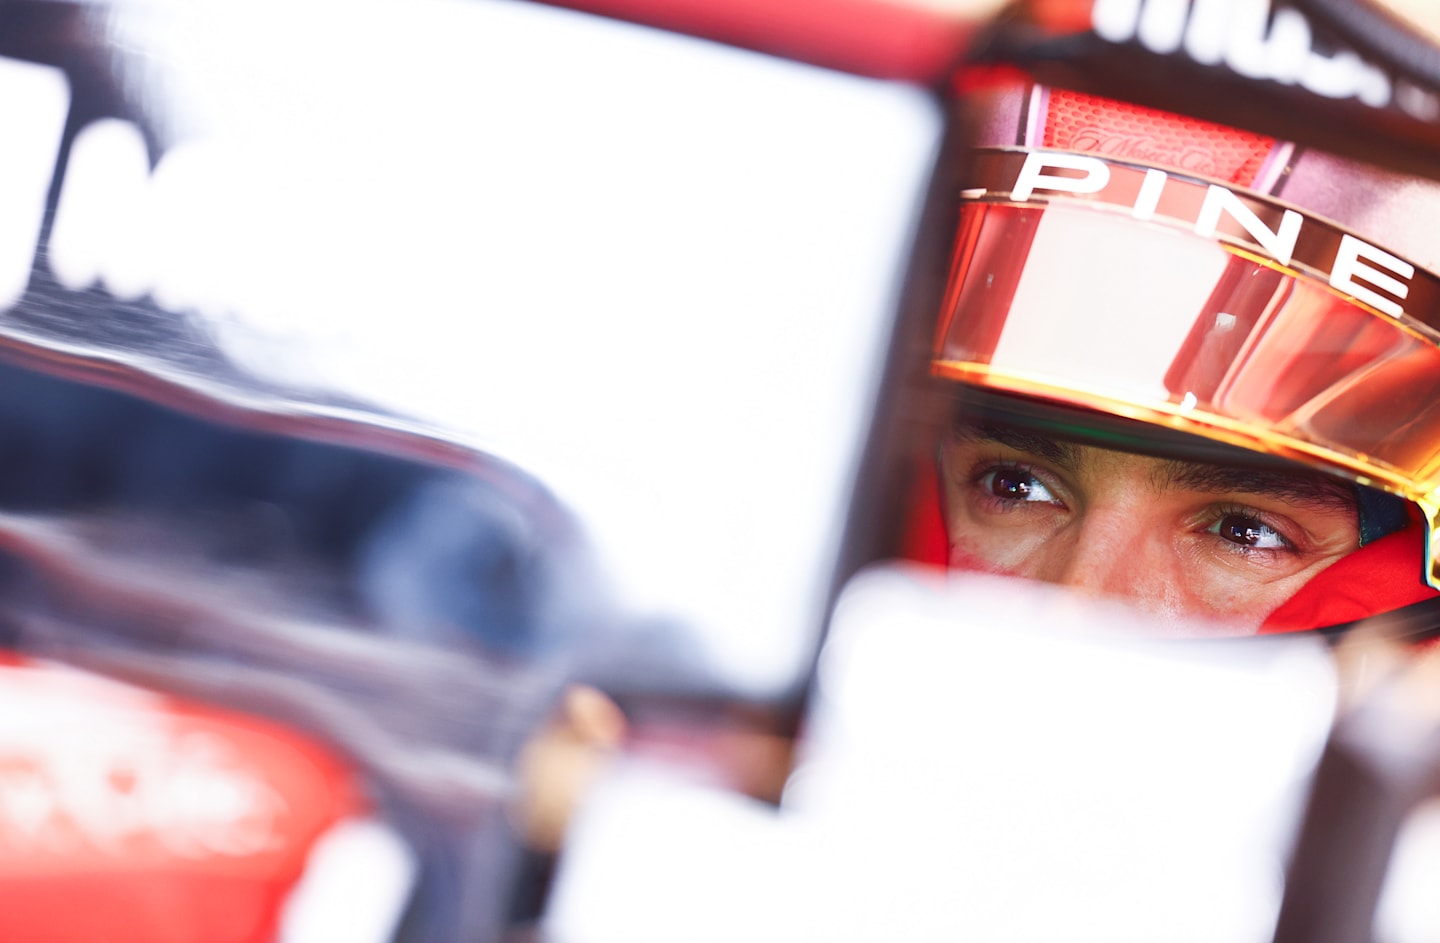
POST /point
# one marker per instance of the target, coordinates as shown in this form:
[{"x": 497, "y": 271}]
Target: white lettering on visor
[
  {"x": 1280, "y": 244},
  {"x": 1350, "y": 262},
  {"x": 1033, "y": 177},
  {"x": 1351, "y": 265}
]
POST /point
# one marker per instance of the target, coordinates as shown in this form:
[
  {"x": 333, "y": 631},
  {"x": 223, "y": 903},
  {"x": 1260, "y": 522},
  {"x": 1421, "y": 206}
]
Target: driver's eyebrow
[
  {"x": 1056, "y": 451},
  {"x": 1299, "y": 488}
]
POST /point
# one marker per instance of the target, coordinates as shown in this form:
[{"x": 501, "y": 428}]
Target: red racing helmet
[{"x": 1143, "y": 280}]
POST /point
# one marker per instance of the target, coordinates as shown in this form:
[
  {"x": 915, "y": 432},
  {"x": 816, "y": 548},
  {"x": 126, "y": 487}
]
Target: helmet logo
[
  {"x": 1351, "y": 265},
  {"x": 1143, "y": 148}
]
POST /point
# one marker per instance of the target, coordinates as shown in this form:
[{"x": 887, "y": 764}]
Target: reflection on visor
[{"x": 1156, "y": 323}]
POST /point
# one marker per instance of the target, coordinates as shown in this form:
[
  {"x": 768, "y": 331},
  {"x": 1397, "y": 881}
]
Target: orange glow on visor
[{"x": 1074, "y": 303}]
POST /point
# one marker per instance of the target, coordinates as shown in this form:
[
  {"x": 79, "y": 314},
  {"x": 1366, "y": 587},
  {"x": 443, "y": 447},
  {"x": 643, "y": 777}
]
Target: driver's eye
[
  {"x": 1248, "y": 531},
  {"x": 1015, "y": 484}
]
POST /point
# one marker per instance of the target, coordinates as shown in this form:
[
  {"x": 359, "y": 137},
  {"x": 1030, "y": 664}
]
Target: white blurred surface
[
  {"x": 982, "y": 764},
  {"x": 357, "y": 881},
  {"x": 653, "y": 271},
  {"x": 1409, "y": 910}
]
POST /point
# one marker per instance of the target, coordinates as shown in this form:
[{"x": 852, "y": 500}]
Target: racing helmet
[{"x": 1149, "y": 282}]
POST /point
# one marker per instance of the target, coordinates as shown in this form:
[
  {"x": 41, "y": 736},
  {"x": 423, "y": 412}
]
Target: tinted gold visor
[{"x": 1090, "y": 307}]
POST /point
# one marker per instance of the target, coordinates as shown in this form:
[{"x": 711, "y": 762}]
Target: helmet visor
[{"x": 1073, "y": 302}]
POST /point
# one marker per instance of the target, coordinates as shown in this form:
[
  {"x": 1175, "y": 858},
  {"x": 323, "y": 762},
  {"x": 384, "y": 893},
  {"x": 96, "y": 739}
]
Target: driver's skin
[{"x": 1180, "y": 538}]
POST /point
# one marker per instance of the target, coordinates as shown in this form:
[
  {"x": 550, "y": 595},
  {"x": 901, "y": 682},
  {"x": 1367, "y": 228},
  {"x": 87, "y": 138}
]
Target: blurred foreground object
[
  {"x": 346, "y": 400},
  {"x": 1364, "y": 864},
  {"x": 1036, "y": 772},
  {"x": 130, "y": 802},
  {"x": 914, "y": 40}
]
